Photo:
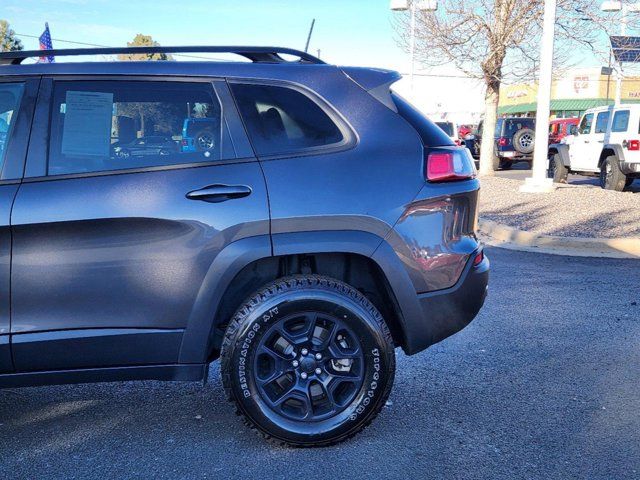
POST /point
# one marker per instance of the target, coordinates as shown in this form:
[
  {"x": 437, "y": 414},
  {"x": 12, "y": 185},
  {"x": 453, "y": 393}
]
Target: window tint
[
  {"x": 447, "y": 127},
  {"x": 620, "y": 121},
  {"x": 10, "y": 95},
  {"x": 102, "y": 125},
  {"x": 601, "y": 122},
  {"x": 514, "y": 125},
  {"x": 499, "y": 124},
  {"x": 282, "y": 120},
  {"x": 431, "y": 135},
  {"x": 585, "y": 124}
]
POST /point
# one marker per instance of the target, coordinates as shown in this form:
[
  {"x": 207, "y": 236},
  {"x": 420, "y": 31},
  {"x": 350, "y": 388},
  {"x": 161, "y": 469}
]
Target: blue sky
[{"x": 355, "y": 32}]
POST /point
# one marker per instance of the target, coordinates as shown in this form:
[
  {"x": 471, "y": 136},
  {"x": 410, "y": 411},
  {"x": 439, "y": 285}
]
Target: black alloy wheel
[{"x": 308, "y": 361}]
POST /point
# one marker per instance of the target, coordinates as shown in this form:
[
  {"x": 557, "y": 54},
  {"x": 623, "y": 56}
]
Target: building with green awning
[{"x": 572, "y": 94}]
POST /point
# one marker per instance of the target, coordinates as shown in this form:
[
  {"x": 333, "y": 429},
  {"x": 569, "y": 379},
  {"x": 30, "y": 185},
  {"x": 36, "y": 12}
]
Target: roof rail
[{"x": 255, "y": 54}]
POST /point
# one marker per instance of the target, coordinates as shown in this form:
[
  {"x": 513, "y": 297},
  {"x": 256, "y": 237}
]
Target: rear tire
[
  {"x": 307, "y": 361},
  {"x": 557, "y": 170},
  {"x": 611, "y": 177},
  {"x": 505, "y": 164}
]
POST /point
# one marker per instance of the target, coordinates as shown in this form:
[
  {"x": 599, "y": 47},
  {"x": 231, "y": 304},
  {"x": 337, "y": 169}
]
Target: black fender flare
[
  {"x": 237, "y": 255},
  {"x": 561, "y": 149},
  {"x": 227, "y": 264},
  {"x": 615, "y": 148}
]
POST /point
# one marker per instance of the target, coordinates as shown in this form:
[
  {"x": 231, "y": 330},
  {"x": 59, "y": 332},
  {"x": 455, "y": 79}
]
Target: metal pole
[
  {"x": 306, "y": 47},
  {"x": 623, "y": 32},
  {"x": 413, "y": 40},
  {"x": 609, "y": 78},
  {"x": 538, "y": 182}
]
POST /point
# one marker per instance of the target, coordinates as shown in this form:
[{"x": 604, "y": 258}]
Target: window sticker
[{"x": 87, "y": 123}]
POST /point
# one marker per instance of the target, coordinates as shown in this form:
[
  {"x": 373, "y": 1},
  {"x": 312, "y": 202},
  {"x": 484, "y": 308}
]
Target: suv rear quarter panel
[{"x": 362, "y": 187}]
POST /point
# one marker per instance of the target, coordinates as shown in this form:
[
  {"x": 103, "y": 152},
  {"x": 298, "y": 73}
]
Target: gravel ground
[
  {"x": 584, "y": 210},
  {"x": 544, "y": 384}
]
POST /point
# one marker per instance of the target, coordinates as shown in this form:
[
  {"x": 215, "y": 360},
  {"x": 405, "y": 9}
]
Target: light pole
[
  {"x": 413, "y": 6},
  {"x": 620, "y": 6},
  {"x": 538, "y": 182}
]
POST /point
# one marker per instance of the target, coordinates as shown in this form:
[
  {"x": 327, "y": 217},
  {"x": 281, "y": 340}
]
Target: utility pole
[
  {"x": 623, "y": 32},
  {"x": 306, "y": 47},
  {"x": 538, "y": 182}
]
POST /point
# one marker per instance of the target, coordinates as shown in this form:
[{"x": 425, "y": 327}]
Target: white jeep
[{"x": 605, "y": 143}]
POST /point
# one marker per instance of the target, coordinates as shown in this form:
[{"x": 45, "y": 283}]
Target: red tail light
[
  {"x": 449, "y": 165},
  {"x": 478, "y": 260},
  {"x": 503, "y": 141},
  {"x": 633, "y": 145}
]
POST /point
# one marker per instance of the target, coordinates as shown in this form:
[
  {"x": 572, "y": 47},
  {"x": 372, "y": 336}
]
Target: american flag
[{"x": 45, "y": 44}]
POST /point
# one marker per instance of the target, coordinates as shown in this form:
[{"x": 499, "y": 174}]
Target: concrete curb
[{"x": 498, "y": 235}]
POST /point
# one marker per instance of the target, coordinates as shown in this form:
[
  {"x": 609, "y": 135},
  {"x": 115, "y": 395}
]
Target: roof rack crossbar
[{"x": 255, "y": 54}]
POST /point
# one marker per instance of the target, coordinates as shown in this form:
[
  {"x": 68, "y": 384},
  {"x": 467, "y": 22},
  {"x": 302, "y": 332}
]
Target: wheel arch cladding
[
  {"x": 247, "y": 265},
  {"x": 610, "y": 151}
]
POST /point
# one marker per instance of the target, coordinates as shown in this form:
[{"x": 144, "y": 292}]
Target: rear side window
[
  {"x": 601, "y": 122},
  {"x": 512, "y": 126},
  {"x": 447, "y": 127},
  {"x": 430, "y": 133},
  {"x": 282, "y": 120},
  {"x": 585, "y": 124},
  {"x": 620, "y": 121},
  {"x": 112, "y": 125},
  {"x": 10, "y": 95}
]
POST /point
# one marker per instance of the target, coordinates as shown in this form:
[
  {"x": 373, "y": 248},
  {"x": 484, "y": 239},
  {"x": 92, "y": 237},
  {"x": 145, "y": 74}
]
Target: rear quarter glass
[
  {"x": 430, "y": 133},
  {"x": 512, "y": 126}
]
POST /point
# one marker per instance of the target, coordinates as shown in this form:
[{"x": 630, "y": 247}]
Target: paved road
[
  {"x": 522, "y": 170},
  {"x": 544, "y": 384}
]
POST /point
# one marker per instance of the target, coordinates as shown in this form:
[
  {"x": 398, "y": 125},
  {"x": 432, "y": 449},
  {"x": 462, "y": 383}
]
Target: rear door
[
  {"x": 110, "y": 249},
  {"x": 17, "y": 101},
  {"x": 583, "y": 144}
]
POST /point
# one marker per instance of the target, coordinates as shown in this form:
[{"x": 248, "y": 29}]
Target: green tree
[
  {"x": 8, "y": 40},
  {"x": 141, "y": 40}
]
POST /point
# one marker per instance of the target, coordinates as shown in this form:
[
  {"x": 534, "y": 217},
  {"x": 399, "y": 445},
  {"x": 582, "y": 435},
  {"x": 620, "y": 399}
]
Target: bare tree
[{"x": 494, "y": 40}]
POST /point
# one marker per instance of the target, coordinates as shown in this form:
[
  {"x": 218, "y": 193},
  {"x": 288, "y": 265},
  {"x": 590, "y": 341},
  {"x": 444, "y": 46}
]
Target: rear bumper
[
  {"x": 513, "y": 155},
  {"x": 630, "y": 168},
  {"x": 445, "y": 312}
]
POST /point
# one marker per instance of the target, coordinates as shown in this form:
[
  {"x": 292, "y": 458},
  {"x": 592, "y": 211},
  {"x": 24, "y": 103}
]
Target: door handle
[
  {"x": 219, "y": 193},
  {"x": 587, "y": 141}
]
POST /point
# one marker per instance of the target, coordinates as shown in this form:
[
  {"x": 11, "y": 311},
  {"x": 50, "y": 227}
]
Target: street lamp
[
  {"x": 619, "y": 6},
  {"x": 413, "y": 5}
]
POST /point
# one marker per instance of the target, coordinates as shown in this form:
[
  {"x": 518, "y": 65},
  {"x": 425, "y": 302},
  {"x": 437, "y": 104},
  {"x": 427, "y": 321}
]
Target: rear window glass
[
  {"x": 430, "y": 133},
  {"x": 447, "y": 127},
  {"x": 113, "y": 125},
  {"x": 10, "y": 95},
  {"x": 601, "y": 122},
  {"x": 620, "y": 121},
  {"x": 514, "y": 125},
  {"x": 282, "y": 120}
]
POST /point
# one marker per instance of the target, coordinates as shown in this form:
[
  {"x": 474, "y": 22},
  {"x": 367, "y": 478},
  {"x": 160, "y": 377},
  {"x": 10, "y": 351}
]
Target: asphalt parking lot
[{"x": 544, "y": 384}]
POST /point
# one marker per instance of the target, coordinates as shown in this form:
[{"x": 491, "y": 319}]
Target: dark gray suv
[{"x": 326, "y": 223}]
